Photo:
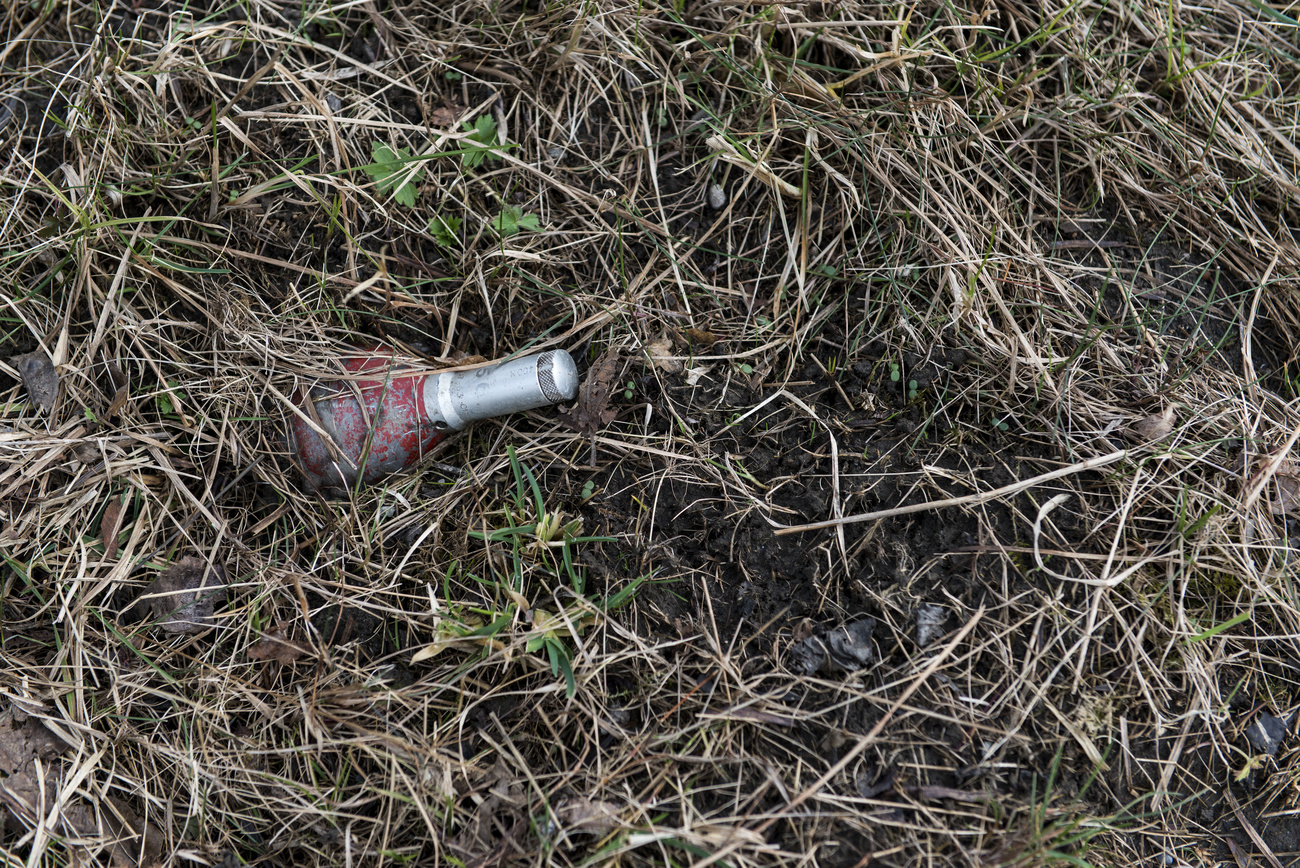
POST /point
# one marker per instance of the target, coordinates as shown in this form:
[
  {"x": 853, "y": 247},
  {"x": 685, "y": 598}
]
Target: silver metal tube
[{"x": 521, "y": 384}]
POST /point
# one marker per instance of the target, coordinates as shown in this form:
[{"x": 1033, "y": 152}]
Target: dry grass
[{"x": 780, "y": 215}]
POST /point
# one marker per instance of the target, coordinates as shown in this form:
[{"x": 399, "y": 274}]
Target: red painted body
[
  {"x": 391, "y": 406},
  {"x": 389, "y": 418}
]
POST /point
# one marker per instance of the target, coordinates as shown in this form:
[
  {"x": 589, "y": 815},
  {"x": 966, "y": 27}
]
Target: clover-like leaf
[
  {"x": 482, "y": 135},
  {"x": 392, "y": 174},
  {"x": 445, "y": 230},
  {"x": 513, "y": 220}
]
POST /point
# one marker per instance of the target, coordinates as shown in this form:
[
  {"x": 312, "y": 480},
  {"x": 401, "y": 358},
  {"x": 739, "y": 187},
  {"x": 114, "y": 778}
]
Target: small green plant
[
  {"x": 912, "y": 388},
  {"x": 164, "y": 399},
  {"x": 1250, "y": 763},
  {"x": 513, "y": 220},
  {"x": 1002, "y": 425},
  {"x": 391, "y": 173},
  {"x": 445, "y": 230},
  {"x": 747, "y": 369},
  {"x": 895, "y": 372},
  {"x": 588, "y": 490},
  {"x": 1051, "y": 834},
  {"x": 482, "y": 136},
  {"x": 542, "y": 543}
]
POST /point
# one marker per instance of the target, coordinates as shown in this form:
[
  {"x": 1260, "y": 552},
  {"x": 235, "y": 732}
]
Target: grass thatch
[{"x": 840, "y": 258}]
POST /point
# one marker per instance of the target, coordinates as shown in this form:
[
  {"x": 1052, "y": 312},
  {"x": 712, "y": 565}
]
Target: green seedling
[
  {"x": 445, "y": 230},
  {"x": 513, "y": 220},
  {"x": 1249, "y": 763},
  {"x": 542, "y": 543},
  {"x": 392, "y": 173},
  {"x": 482, "y": 136},
  {"x": 164, "y": 399},
  {"x": 550, "y": 633}
]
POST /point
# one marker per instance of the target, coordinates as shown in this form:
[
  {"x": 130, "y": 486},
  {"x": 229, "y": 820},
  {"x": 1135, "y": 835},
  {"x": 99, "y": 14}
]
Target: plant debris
[
  {"x": 111, "y": 524},
  {"x": 184, "y": 598},
  {"x": 841, "y": 649},
  {"x": 278, "y": 644},
  {"x": 1265, "y": 734},
  {"x": 591, "y": 413},
  {"x": 40, "y": 379}
]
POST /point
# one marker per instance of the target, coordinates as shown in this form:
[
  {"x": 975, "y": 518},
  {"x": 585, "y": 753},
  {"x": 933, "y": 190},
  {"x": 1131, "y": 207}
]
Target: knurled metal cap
[{"x": 557, "y": 374}]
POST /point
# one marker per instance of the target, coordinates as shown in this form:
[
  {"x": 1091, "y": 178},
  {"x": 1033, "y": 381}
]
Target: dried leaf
[
  {"x": 39, "y": 378},
  {"x": 118, "y": 402},
  {"x": 137, "y": 842},
  {"x": 499, "y": 816},
  {"x": 22, "y": 786},
  {"x": 1287, "y": 488},
  {"x": 1154, "y": 427},
  {"x": 277, "y": 644},
  {"x": 661, "y": 355},
  {"x": 185, "y": 596},
  {"x": 110, "y": 525},
  {"x": 1283, "y": 490},
  {"x": 929, "y": 623},
  {"x": 701, "y": 338},
  {"x": 590, "y": 816},
  {"x": 846, "y": 648},
  {"x": 444, "y": 116},
  {"x": 591, "y": 412}
]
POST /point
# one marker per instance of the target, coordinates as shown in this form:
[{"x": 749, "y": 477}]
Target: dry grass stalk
[{"x": 970, "y": 244}]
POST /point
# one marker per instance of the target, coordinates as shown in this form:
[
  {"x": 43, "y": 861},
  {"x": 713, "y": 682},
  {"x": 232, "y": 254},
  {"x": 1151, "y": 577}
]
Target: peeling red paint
[{"x": 391, "y": 406}]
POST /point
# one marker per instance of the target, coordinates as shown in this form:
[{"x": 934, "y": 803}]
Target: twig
[{"x": 968, "y": 500}]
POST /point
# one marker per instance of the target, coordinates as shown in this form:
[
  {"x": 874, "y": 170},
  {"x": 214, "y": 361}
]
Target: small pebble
[
  {"x": 1266, "y": 733},
  {"x": 717, "y": 197},
  {"x": 929, "y": 622},
  {"x": 846, "y": 648}
]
